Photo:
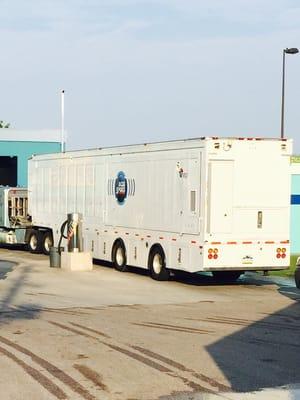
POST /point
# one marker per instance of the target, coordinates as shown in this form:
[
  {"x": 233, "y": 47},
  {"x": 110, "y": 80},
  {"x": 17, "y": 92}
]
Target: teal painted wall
[
  {"x": 296, "y": 184},
  {"x": 24, "y": 150},
  {"x": 295, "y": 229},
  {"x": 295, "y": 217}
]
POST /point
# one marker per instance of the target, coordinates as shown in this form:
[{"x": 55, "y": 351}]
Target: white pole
[{"x": 62, "y": 121}]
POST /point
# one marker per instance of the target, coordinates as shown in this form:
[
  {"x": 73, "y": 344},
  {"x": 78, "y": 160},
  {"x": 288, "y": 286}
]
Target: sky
[{"x": 139, "y": 71}]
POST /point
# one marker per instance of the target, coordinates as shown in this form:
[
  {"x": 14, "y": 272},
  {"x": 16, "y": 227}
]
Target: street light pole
[
  {"x": 282, "y": 95},
  {"x": 292, "y": 50},
  {"x": 63, "y": 138}
]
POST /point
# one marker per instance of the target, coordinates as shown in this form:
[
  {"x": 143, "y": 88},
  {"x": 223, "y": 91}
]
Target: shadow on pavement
[
  {"x": 8, "y": 311},
  {"x": 6, "y": 267},
  {"x": 200, "y": 278},
  {"x": 265, "y": 353},
  {"x": 206, "y": 279},
  {"x": 196, "y": 279}
]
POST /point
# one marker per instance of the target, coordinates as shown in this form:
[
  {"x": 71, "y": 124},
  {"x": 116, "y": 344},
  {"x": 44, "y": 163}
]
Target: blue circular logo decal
[{"x": 121, "y": 187}]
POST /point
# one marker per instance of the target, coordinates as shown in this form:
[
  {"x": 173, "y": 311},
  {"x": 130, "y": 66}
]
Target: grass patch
[{"x": 287, "y": 272}]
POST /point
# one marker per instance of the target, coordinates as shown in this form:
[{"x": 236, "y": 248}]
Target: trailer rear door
[{"x": 220, "y": 196}]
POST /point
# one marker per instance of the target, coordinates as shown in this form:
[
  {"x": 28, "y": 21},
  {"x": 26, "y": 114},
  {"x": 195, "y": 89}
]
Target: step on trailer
[{"x": 205, "y": 204}]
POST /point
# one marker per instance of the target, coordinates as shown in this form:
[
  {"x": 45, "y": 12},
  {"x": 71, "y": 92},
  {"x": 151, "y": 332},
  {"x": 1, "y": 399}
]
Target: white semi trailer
[{"x": 206, "y": 204}]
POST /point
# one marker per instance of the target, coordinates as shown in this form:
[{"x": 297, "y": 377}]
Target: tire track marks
[
  {"x": 129, "y": 353},
  {"x": 150, "y": 359},
  {"x": 183, "y": 368},
  {"x": 52, "y": 369},
  {"x": 36, "y": 375},
  {"x": 175, "y": 328},
  {"x": 245, "y": 322},
  {"x": 92, "y": 375},
  {"x": 252, "y": 337},
  {"x": 154, "y": 365},
  {"x": 73, "y": 330},
  {"x": 91, "y": 330}
]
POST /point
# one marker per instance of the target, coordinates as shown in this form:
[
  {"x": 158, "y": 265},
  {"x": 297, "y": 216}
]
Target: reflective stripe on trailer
[
  {"x": 211, "y": 243},
  {"x": 249, "y": 242}
]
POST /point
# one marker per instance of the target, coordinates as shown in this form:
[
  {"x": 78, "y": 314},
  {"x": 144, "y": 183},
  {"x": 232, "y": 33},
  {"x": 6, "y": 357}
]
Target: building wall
[
  {"x": 295, "y": 207},
  {"x": 24, "y": 150}
]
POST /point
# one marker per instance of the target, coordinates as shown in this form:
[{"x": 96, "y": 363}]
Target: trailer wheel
[
  {"x": 157, "y": 264},
  {"x": 297, "y": 277},
  {"x": 47, "y": 242},
  {"x": 119, "y": 256},
  {"x": 34, "y": 242},
  {"x": 227, "y": 276}
]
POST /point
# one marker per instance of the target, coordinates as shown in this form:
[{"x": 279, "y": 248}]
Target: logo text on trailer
[{"x": 121, "y": 187}]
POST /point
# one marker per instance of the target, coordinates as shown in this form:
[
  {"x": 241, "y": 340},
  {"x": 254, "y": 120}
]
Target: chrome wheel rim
[
  {"x": 47, "y": 243},
  {"x": 33, "y": 242},
  {"x": 120, "y": 256},
  {"x": 157, "y": 264}
]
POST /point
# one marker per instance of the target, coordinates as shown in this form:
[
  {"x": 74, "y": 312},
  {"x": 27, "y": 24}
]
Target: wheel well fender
[
  {"x": 48, "y": 231},
  {"x": 39, "y": 230}
]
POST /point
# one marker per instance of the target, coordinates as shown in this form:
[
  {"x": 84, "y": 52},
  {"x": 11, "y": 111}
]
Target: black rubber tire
[
  {"x": 35, "y": 242},
  {"x": 227, "y": 276},
  {"x": 297, "y": 277},
  {"x": 47, "y": 242},
  {"x": 157, "y": 264},
  {"x": 119, "y": 258}
]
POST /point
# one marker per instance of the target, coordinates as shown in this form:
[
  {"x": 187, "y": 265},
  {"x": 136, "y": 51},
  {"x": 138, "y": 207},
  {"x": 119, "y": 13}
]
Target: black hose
[{"x": 62, "y": 235}]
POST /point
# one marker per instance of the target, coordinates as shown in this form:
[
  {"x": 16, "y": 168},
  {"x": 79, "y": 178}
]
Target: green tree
[{"x": 4, "y": 124}]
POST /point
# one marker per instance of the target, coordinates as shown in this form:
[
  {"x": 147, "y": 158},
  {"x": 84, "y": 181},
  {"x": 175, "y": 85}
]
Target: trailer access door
[{"x": 220, "y": 196}]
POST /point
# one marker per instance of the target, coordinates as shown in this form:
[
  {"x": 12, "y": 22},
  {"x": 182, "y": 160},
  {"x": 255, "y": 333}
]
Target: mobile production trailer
[{"x": 207, "y": 204}]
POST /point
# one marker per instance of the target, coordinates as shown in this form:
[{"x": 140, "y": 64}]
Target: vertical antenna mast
[{"x": 63, "y": 121}]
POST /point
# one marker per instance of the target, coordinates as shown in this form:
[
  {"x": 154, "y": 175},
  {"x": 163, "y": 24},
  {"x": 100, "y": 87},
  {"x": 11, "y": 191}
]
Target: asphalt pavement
[{"x": 109, "y": 335}]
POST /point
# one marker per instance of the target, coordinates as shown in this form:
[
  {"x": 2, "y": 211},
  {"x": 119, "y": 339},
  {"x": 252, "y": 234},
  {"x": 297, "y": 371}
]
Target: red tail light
[
  {"x": 281, "y": 252},
  {"x": 213, "y": 254}
]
